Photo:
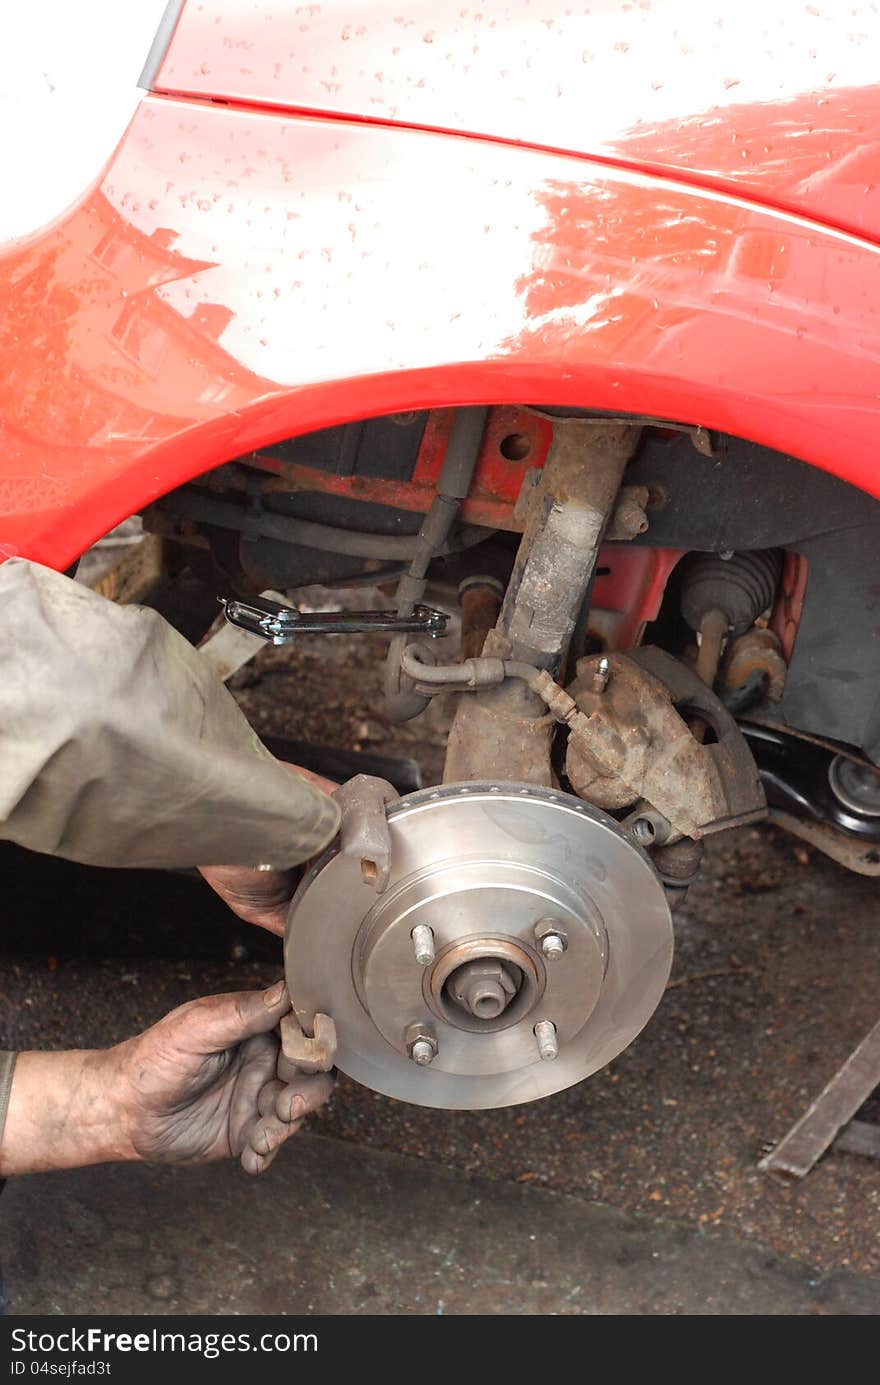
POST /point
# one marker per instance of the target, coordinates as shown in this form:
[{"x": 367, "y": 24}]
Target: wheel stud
[
  {"x": 423, "y": 944},
  {"x": 545, "y": 1033}
]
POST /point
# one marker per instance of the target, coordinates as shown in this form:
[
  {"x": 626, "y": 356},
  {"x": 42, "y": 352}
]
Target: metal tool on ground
[{"x": 829, "y": 1120}]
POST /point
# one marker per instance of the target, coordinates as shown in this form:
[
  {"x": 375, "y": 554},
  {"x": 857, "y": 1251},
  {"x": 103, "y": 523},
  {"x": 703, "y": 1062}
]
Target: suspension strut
[{"x": 504, "y": 733}]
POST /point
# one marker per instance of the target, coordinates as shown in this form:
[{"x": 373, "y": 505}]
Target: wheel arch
[{"x": 201, "y": 302}]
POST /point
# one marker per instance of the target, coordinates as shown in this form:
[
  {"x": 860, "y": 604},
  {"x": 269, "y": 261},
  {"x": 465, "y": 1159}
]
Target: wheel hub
[{"x": 518, "y": 926}]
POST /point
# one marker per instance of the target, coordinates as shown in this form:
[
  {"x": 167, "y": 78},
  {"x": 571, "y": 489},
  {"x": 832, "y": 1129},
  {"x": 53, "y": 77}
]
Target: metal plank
[
  {"x": 859, "y": 1137},
  {"x": 811, "y": 1136}
]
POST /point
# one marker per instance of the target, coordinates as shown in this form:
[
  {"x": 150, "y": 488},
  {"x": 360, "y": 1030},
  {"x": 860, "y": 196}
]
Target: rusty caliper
[{"x": 497, "y": 938}]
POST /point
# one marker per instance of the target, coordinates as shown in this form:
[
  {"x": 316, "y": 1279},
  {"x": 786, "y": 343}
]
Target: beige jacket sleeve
[{"x": 118, "y": 748}]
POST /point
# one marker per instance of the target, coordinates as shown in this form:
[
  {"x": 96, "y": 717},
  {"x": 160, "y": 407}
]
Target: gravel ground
[{"x": 775, "y": 981}]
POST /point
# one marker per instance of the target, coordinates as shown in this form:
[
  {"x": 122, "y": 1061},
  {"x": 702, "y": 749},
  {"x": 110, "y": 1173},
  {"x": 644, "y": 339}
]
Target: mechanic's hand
[
  {"x": 261, "y": 897},
  {"x": 202, "y": 1084}
]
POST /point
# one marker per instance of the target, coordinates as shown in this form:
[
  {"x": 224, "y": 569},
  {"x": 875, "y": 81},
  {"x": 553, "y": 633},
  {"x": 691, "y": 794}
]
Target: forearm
[
  {"x": 119, "y": 746},
  {"x": 64, "y": 1112}
]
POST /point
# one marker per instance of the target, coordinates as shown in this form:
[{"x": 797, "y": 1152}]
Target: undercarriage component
[
  {"x": 817, "y": 783},
  {"x": 739, "y": 585},
  {"x": 855, "y": 786},
  {"x": 678, "y": 866},
  {"x": 722, "y": 596},
  {"x": 505, "y": 733},
  {"x": 753, "y": 670},
  {"x": 853, "y": 853},
  {"x": 194, "y": 503},
  {"x": 827, "y": 797},
  {"x": 629, "y": 518},
  {"x": 632, "y": 742},
  {"x": 488, "y": 1015},
  {"x": 712, "y": 631},
  {"x": 466, "y": 434},
  {"x": 480, "y": 598},
  {"x": 637, "y": 725}
]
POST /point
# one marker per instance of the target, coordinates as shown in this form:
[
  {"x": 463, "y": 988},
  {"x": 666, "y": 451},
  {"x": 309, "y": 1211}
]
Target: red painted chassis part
[
  {"x": 498, "y": 477},
  {"x": 630, "y": 582}
]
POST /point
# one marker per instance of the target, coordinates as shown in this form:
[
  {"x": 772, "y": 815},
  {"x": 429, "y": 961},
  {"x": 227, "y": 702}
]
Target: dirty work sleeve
[{"x": 118, "y": 748}]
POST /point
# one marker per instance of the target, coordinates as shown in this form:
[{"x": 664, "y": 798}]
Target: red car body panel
[
  {"x": 239, "y": 275},
  {"x": 775, "y": 100}
]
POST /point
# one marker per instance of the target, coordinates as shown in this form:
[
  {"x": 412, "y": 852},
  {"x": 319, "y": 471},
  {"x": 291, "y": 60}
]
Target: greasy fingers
[
  {"x": 217, "y": 1022},
  {"x": 254, "y": 1163},
  {"x": 282, "y": 1107},
  {"x": 259, "y": 1056},
  {"x": 264, "y": 1139},
  {"x": 302, "y": 1095},
  {"x": 269, "y": 1134},
  {"x": 268, "y": 1095}
]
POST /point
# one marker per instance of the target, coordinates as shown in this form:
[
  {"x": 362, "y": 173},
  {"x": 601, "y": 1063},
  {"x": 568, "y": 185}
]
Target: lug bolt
[
  {"x": 601, "y": 675},
  {"x": 421, "y": 1044},
  {"x": 423, "y": 944},
  {"x": 552, "y": 946},
  {"x": 551, "y": 938},
  {"x": 545, "y": 1033}
]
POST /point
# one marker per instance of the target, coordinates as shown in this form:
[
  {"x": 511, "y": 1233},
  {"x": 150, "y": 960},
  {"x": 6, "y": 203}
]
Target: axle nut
[{"x": 483, "y": 988}]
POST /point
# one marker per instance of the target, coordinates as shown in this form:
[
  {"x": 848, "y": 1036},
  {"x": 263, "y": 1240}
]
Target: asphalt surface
[
  {"x": 342, "y": 1229},
  {"x": 774, "y": 982}
]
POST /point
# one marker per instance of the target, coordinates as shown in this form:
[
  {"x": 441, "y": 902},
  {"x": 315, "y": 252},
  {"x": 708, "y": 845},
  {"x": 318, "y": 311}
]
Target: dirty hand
[
  {"x": 207, "y": 1082},
  {"x": 203, "y": 1083},
  {"x": 261, "y": 897}
]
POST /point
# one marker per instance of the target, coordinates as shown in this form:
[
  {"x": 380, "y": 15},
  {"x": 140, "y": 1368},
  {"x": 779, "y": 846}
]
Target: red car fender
[
  {"x": 775, "y": 100},
  {"x": 237, "y": 277}
]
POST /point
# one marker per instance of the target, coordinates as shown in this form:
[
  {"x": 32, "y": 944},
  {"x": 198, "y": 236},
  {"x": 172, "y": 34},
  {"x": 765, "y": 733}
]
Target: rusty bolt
[
  {"x": 629, "y": 518},
  {"x": 421, "y": 1044},
  {"x": 545, "y": 1033},
  {"x": 423, "y": 944}
]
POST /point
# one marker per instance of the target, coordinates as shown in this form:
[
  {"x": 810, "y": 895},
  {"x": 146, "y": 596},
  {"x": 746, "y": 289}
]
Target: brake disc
[{"x": 488, "y": 1010}]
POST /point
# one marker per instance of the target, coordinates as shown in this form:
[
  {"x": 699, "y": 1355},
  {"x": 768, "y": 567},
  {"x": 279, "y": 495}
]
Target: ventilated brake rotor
[{"x": 543, "y": 943}]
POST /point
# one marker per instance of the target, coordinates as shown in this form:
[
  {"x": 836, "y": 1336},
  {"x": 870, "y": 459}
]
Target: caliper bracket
[{"x": 630, "y": 739}]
